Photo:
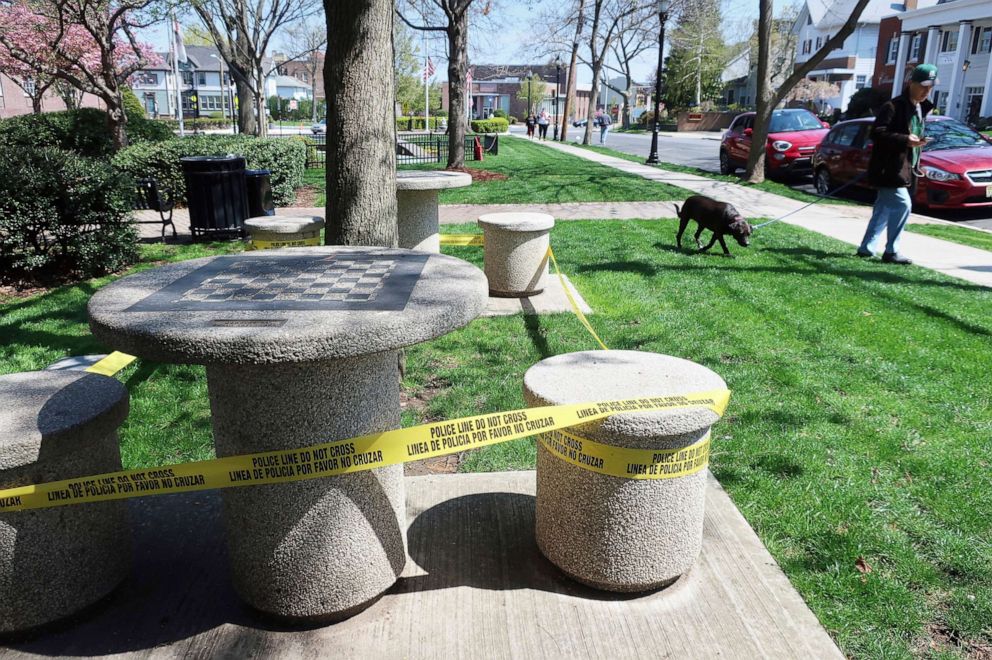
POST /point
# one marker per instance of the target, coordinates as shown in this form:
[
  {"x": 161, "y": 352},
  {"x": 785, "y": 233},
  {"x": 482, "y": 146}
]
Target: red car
[
  {"x": 792, "y": 137},
  {"x": 956, "y": 164}
]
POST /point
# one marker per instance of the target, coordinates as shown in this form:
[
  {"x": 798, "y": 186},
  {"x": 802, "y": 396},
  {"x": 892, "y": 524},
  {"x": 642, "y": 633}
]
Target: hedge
[
  {"x": 204, "y": 124},
  {"x": 63, "y": 216},
  {"x": 416, "y": 123},
  {"x": 83, "y": 131},
  {"x": 491, "y": 125},
  {"x": 286, "y": 157}
]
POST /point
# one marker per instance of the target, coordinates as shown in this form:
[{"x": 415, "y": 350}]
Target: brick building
[{"x": 497, "y": 87}]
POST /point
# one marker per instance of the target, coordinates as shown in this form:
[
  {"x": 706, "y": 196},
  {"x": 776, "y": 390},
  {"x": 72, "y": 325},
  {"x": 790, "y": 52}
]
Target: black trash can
[
  {"x": 216, "y": 195},
  {"x": 259, "y": 193}
]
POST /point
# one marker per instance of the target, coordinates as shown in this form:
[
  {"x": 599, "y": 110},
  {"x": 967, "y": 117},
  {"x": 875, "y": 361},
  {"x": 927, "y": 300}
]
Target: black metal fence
[{"x": 411, "y": 148}]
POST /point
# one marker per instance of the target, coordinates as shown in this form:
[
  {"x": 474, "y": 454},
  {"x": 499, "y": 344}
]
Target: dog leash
[{"x": 815, "y": 201}]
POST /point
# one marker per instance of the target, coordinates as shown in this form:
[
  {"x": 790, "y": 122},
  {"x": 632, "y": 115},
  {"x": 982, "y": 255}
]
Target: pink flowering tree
[{"x": 89, "y": 45}]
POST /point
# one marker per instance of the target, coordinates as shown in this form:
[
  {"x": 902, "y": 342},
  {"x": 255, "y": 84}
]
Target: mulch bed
[{"x": 479, "y": 175}]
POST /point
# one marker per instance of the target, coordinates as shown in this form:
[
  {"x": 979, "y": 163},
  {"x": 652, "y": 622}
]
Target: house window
[
  {"x": 914, "y": 48},
  {"x": 809, "y": 19},
  {"x": 819, "y": 42},
  {"x": 201, "y": 78},
  {"x": 893, "y": 50},
  {"x": 860, "y": 81},
  {"x": 28, "y": 87},
  {"x": 981, "y": 42},
  {"x": 187, "y": 78},
  {"x": 949, "y": 42}
]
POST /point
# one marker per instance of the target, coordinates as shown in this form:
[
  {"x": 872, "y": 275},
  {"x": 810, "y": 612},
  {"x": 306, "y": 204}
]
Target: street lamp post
[
  {"x": 662, "y": 17},
  {"x": 530, "y": 76},
  {"x": 557, "y": 91}
]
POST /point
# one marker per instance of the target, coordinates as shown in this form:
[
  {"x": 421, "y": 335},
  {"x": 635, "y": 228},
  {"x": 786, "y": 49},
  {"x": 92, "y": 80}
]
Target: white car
[{"x": 319, "y": 128}]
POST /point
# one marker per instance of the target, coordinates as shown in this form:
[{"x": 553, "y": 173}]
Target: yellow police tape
[
  {"x": 628, "y": 463},
  {"x": 352, "y": 455},
  {"x": 462, "y": 239},
  {"x": 111, "y": 364},
  {"x": 575, "y": 305},
  {"x": 271, "y": 245}
]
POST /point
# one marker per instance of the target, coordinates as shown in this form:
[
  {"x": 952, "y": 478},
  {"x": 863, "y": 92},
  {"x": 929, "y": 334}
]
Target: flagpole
[
  {"x": 175, "y": 69},
  {"x": 427, "y": 87}
]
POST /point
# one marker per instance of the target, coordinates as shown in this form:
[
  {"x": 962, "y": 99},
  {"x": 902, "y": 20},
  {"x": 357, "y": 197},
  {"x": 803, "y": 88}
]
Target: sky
[{"x": 519, "y": 26}]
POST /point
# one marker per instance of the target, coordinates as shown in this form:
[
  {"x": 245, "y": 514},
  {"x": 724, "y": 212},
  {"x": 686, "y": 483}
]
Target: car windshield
[
  {"x": 952, "y": 134},
  {"x": 785, "y": 121}
]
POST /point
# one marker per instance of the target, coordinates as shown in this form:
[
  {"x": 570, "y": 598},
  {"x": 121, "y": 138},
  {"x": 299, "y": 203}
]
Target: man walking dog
[{"x": 894, "y": 164}]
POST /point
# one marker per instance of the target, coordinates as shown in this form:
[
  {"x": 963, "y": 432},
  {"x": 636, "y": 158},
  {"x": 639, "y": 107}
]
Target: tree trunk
[
  {"x": 36, "y": 103},
  {"x": 263, "y": 120},
  {"x": 457, "y": 94},
  {"x": 116, "y": 121},
  {"x": 597, "y": 68},
  {"x": 361, "y": 130},
  {"x": 626, "y": 109},
  {"x": 246, "y": 108},
  {"x": 570, "y": 84},
  {"x": 765, "y": 104}
]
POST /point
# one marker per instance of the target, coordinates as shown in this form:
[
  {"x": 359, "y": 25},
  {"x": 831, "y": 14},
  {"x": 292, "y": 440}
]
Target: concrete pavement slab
[{"x": 475, "y": 586}]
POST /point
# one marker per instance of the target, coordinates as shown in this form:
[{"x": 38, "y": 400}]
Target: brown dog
[{"x": 719, "y": 217}]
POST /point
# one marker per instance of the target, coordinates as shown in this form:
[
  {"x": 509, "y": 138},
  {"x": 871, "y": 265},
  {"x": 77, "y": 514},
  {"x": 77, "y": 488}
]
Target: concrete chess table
[
  {"x": 416, "y": 206},
  {"x": 300, "y": 347}
]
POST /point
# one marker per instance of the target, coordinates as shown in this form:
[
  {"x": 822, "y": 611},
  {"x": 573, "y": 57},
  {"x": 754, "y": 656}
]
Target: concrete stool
[
  {"x": 416, "y": 206},
  {"x": 55, "y": 562},
  {"x": 516, "y": 256},
  {"x": 616, "y": 533},
  {"x": 271, "y": 231}
]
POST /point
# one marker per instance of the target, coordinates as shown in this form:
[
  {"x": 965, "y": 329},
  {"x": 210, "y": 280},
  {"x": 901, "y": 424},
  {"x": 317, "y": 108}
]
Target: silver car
[{"x": 319, "y": 128}]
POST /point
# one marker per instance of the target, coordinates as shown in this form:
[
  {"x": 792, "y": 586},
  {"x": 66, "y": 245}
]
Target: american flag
[{"x": 429, "y": 69}]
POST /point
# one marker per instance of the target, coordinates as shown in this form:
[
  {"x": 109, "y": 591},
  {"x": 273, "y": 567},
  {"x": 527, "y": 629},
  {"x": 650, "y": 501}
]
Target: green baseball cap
[{"x": 924, "y": 74}]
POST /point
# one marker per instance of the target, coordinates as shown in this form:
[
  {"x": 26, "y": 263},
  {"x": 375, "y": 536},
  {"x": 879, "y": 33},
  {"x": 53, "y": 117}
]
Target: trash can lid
[
  {"x": 228, "y": 163},
  {"x": 258, "y": 172}
]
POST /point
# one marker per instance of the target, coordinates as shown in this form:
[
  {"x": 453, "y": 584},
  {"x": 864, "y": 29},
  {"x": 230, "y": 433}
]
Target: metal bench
[{"x": 148, "y": 196}]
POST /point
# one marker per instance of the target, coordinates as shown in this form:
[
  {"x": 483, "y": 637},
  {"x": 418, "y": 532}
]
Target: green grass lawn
[
  {"x": 962, "y": 235},
  {"x": 315, "y": 177},
  {"x": 541, "y": 176},
  {"x": 768, "y": 185},
  {"x": 860, "y": 426}
]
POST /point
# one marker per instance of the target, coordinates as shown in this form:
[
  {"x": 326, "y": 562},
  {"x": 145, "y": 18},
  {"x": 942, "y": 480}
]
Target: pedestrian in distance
[
  {"x": 531, "y": 122},
  {"x": 604, "y": 122},
  {"x": 894, "y": 165},
  {"x": 542, "y": 125}
]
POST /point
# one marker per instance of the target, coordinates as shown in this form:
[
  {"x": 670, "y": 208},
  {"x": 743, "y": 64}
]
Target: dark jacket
[{"x": 891, "y": 162}]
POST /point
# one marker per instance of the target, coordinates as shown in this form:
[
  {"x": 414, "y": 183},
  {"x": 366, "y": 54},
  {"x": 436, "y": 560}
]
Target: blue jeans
[
  {"x": 892, "y": 207},
  {"x": 603, "y": 132}
]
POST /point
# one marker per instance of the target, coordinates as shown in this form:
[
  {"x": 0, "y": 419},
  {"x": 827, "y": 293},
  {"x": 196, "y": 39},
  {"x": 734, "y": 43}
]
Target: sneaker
[
  {"x": 893, "y": 258},
  {"x": 864, "y": 254}
]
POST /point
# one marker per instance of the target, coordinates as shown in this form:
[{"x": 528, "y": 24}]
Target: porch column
[
  {"x": 933, "y": 39},
  {"x": 987, "y": 94},
  {"x": 900, "y": 74},
  {"x": 954, "y": 108}
]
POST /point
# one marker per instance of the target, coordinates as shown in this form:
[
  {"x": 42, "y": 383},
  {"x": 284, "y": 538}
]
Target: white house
[
  {"x": 852, "y": 65},
  {"x": 957, "y": 37}
]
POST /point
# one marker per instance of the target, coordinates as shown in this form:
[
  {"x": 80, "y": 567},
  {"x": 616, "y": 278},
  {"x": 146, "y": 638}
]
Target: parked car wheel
[
  {"x": 726, "y": 165},
  {"x": 822, "y": 182}
]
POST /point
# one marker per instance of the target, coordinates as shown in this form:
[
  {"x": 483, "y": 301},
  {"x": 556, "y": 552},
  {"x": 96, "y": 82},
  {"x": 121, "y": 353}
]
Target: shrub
[
  {"x": 286, "y": 157},
  {"x": 203, "y": 123},
  {"x": 63, "y": 215},
  {"x": 512, "y": 120},
  {"x": 499, "y": 112},
  {"x": 491, "y": 125},
  {"x": 139, "y": 127},
  {"x": 415, "y": 123},
  {"x": 83, "y": 131}
]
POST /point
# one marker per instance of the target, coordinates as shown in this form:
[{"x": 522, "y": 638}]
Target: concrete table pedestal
[
  {"x": 516, "y": 253},
  {"x": 271, "y": 232},
  {"x": 300, "y": 348},
  {"x": 56, "y": 562},
  {"x": 615, "y": 533},
  {"x": 416, "y": 206}
]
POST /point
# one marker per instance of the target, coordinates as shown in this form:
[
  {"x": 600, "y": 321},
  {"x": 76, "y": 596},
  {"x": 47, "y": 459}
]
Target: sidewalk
[{"x": 845, "y": 223}]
